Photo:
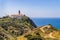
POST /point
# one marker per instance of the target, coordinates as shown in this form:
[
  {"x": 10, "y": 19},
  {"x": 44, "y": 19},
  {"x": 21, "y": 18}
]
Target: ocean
[{"x": 55, "y": 22}]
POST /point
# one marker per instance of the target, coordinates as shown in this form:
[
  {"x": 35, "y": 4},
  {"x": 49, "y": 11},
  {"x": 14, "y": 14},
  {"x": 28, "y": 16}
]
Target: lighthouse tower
[{"x": 19, "y": 12}]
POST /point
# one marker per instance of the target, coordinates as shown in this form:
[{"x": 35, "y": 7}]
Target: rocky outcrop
[
  {"x": 16, "y": 26},
  {"x": 23, "y": 28}
]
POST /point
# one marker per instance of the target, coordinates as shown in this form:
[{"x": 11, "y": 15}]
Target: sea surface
[{"x": 44, "y": 21}]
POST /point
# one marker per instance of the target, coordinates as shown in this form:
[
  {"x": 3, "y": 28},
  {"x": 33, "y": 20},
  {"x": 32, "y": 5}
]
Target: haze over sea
[{"x": 44, "y": 21}]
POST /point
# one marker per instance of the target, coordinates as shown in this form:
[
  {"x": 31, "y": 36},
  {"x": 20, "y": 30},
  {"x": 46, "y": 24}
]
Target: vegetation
[
  {"x": 25, "y": 29},
  {"x": 16, "y": 27}
]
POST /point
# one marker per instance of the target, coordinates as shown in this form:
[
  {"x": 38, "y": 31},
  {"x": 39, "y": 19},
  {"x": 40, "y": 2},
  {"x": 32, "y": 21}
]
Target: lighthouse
[
  {"x": 19, "y": 15},
  {"x": 19, "y": 12}
]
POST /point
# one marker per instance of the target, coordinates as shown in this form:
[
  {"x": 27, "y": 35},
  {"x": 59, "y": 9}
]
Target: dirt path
[{"x": 51, "y": 35}]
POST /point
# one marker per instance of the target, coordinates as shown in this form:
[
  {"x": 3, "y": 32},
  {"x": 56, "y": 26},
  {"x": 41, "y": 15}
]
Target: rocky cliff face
[
  {"x": 14, "y": 27},
  {"x": 23, "y": 28}
]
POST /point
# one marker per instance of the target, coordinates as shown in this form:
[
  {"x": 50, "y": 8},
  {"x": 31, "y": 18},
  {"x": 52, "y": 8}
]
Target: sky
[{"x": 31, "y": 8}]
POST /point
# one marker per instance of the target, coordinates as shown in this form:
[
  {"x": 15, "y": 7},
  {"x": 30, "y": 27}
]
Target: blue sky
[{"x": 31, "y": 8}]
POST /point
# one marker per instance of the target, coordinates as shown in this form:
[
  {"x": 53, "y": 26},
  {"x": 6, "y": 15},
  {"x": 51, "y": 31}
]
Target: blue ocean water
[{"x": 44, "y": 21}]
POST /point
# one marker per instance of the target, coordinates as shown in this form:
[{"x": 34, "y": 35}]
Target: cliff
[
  {"x": 23, "y": 28},
  {"x": 14, "y": 27}
]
